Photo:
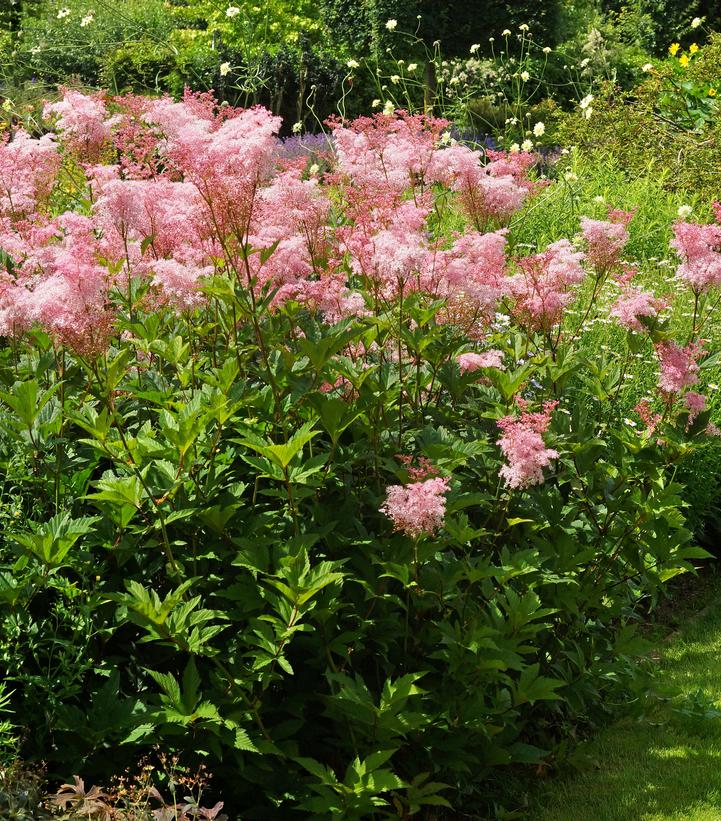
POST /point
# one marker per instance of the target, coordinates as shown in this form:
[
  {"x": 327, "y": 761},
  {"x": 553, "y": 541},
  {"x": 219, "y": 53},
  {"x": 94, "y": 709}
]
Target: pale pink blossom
[
  {"x": 678, "y": 366},
  {"x": 469, "y": 362},
  {"x": 633, "y": 304},
  {"x": 605, "y": 242},
  {"x": 698, "y": 247},
  {"x": 417, "y": 508},
  {"x": 523, "y": 446},
  {"x": 695, "y": 403},
  {"x": 83, "y": 121}
]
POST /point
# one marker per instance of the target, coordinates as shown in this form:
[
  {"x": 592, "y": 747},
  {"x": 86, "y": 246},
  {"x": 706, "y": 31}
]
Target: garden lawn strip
[{"x": 664, "y": 768}]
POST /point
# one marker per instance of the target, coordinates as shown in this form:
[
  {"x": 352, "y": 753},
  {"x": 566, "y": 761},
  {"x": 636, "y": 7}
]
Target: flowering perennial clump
[
  {"x": 417, "y": 508},
  {"x": 523, "y": 446}
]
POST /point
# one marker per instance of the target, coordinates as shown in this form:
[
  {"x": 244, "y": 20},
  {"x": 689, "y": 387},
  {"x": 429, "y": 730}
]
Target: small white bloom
[
  {"x": 527, "y": 145},
  {"x": 395, "y": 79},
  {"x": 546, "y": 49},
  {"x": 445, "y": 138},
  {"x": 569, "y": 176},
  {"x": 376, "y": 103},
  {"x": 389, "y": 107},
  {"x": 224, "y": 69},
  {"x": 646, "y": 67},
  {"x": 63, "y": 13},
  {"x": 412, "y": 67},
  {"x": 475, "y": 47},
  {"x": 539, "y": 129},
  {"x": 523, "y": 27},
  {"x": 314, "y": 169},
  {"x": 506, "y": 33},
  {"x": 515, "y": 148},
  {"x": 232, "y": 11},
  {"x": 696, "y": 22},
  {"x": 297, "y": 127},
  {"x": 88, "y": 19},
  {"x": 585, "y": 62},
  {"x": 588, "y": 112},
  {"x": 352, "y": 63},
  {"x": 600, "y": 199},
  {"x": 684, "y": 211},
  {"x": 630, "y": 422},
  {"x": 525, "y": 76},
  {"x": 586, "y": 102},
  {"x": 712, "y": 386},
  {"x": 391, "y": 24}
]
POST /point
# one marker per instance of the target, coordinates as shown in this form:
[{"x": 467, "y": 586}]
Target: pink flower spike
[
  {"x": 679, "y": 368},
  {"x": 469, "y": 362},
  {"x": 523, "y": 446},
  {"x": 417, "y": 508}
]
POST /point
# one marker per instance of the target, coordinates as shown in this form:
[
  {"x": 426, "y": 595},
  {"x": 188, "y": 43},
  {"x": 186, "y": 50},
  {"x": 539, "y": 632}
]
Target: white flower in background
[
  {"x": 395, "y": 79},
  {"x": 684, "y": 211},
  {"x": 88, "y": 19},
  {"x": 389, "y": 107},
  {"x": 297, "y": 127},
  {"x": 527, "y": 145},
  {"x": 696, "y": 22},
  {"x": 445, "y": 138},
  {"x": 515, "y": 148},
  {"x": 630, "y": 422},
  {"x": 600, "y": 199},
  {"x": 232, "y": 11},
  {"x": 523, "y": 27},
  {"x": 646, "y": 67},
  {"x": 412, "y": 67},
  {"x": 506, "y": 33},
  {"x": 569, "y": 176},
  {"x": 352, "y": 63},
  {"x": 546, "y": 49},
  {"x": 63, "y": 13},
  {"x": 376, "y": 103},
  {"x": 588, "y": 112},
  {"x": 525, "y": 76},
  {"x": 539, "y": 129},
  {"x": 314, "y": 169},
  {"x": 475, "y": 47},
  {"x": 224, "y": 69},
  {"x": 585, "y": 62},
  {"x": 586, "y": 102},
  {"x": 391, "y": 24}
]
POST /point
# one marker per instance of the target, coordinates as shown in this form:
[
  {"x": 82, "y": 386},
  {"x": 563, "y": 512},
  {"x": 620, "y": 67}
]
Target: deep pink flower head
[
  {"x": 83, "y": 122},
  {"x": 649, "y": 418},
  {"x": 523, "y": 446},
  {"x": 469, "y": 362},
  {"x": 679, "y": 368},
  {"x": 633, "y": 304},
  {"x": 605, "y": 242},
  {"x": 417, "y": 508},
  {"x": 698, "y": 247}
]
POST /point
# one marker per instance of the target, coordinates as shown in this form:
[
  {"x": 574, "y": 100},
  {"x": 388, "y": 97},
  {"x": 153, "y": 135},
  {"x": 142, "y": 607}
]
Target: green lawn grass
[{"x": 667, "y": 767}]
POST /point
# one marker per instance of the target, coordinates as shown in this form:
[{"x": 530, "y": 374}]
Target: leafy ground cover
[{"x": 664, "y": 766}]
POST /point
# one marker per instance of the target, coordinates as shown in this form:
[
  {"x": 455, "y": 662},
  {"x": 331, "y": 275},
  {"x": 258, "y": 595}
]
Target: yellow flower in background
[
  {"x": 673, "y": 48},
  {"x": 712, "y": 92},
  {"x": 693, "y": 48},
  {"x": 683, "y": 60}
]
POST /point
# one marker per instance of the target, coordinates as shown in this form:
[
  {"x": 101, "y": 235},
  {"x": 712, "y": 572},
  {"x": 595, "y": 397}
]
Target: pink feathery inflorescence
[
  {"x": 605, "y": 241},
  {"x": 28, "y": 171},
  {"x": 541, "y": 288},
  {"x": 648, "y": 417},
  {"x": 698, "y": 247},
  {"x": 523, "y": 446},
  {"x": 633, "y": 304},
  {"x": 83, "y": 121},
  {"x": 417, "y": 508},
  {"x": 678, "y": 366},
  {"x": 695, "y": 403},
  {"x": 469, "y": 362}
]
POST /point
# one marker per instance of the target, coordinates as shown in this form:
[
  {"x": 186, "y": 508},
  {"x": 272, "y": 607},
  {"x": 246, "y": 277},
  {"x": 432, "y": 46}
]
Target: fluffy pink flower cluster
[
  {"x": 470, "y": 362},
  {"x": 417, "y": 508},
  {"x": 605, "y": 242},
  {"x": 28, "y": 170},
  {"x": 83, "y": 121},
  {"x": 633, "y": 304},
  {"x": 698, "y": 247},
  {"x": 523, "y": 446},
  {"x": 542, "y": 286},
  {"x": 678, "y": 366}
]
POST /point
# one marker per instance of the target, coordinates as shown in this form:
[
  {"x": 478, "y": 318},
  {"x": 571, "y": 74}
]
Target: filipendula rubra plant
[{"x": 309, "y": 474}]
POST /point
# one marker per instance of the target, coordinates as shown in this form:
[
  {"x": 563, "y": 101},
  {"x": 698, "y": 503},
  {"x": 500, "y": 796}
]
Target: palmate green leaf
[
  {"x": 51, "y": 541},
  {"x": 26, "y": 401},
  {"x": 532, "y": 687},
  {"x": 282, "y": 454}
]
